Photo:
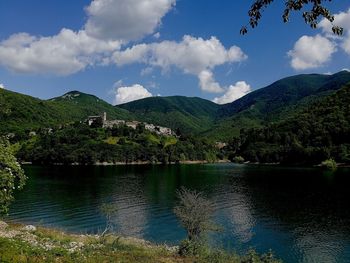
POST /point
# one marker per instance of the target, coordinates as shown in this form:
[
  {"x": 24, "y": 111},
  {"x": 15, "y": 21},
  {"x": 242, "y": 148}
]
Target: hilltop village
[{"x": 101, "y": 121}]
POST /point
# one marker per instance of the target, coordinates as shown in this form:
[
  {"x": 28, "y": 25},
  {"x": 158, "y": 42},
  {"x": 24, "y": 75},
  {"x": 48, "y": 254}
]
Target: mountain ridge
[{"x": 189, "y": 115}]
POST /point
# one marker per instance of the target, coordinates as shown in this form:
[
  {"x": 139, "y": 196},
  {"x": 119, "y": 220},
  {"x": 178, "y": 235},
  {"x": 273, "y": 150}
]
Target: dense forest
[
  {"x": 316, "y": 133},
  {"x": 20, "y": 114},
  {"x": 303, "y": 119},
  {"x": 79, "y": 143}
]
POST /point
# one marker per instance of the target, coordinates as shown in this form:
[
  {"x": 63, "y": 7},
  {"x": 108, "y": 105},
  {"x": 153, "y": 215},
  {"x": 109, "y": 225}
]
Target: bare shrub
[{"x": 195, "y": 213}]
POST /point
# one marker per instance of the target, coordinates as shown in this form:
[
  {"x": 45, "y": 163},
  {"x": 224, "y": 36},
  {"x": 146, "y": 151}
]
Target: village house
[{"x": 102, "y": 121}]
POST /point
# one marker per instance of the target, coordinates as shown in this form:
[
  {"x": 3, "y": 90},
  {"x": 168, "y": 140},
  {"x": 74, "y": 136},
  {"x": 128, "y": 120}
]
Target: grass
[
  {"x": 112, "y": 140},
  {"x": 49, "y": 245},
  {"x": 169, "y": 141},
  {"x": 330, "y": 164}
]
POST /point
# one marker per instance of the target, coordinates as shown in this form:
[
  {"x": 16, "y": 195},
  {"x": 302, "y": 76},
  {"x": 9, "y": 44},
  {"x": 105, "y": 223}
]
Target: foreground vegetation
[
  {"x": 20, "y": 243},
  {"x": 11, "y": 175}
]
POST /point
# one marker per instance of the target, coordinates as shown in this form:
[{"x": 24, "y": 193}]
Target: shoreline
[
  {"x": 133, "y": 163},
  {"x": 50, "y": 244},
  {"x": 339, "y": 165},
  {"x": 29, "y": 243}
]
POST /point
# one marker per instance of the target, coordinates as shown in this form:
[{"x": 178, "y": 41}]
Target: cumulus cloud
[
  {"x": 346, "y": 44},
  {"x": 110, "y": 24},
  {"x": 314, "y": 51},
  {"x": 341, "y": 19},
  {"x": 125, "y": 19},
  {"x": 234, "y": 92},
  {"x": 2, "y": 86},
  {"x": 156, "y": 35},
  {"x": 130, "y": 93},
  {"x": 207, "y": 82},
  {"x": 311, "y": 52},
  {"x": 195, "y": 56},
  {"x": 63, "y": 54}
]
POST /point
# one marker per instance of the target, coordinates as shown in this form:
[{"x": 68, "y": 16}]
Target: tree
[
  {"x": 311, "y": 17},
  {"x": 195, "y": 213},
  {"x": 109, "y": 211},
  {"x": 11, "y": 176}
]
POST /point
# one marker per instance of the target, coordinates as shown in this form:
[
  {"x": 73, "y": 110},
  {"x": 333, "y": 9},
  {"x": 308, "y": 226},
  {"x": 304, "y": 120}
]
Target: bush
[
  {"x": 11, "y": 175},
  {"x": 238, "y": 159},
  {"x": 195, "y": 213},
  {"x": 329, "y": 164},
  {"x": 191, "y": 248}
]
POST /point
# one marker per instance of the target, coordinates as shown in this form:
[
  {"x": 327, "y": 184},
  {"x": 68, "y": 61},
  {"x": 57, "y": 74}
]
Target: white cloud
[
  {"x": 234, "y": 92},
  {"x": 131, "y": 93},
  {"x": 110, "y": 24},
  {"x": 207, "y": 82},
  {"x": 125, "y": 19},
  {"x": 314, "y": 51},
  {"x": 146, "y": 71},
  {"x": 2, "y": 86},
  {"x": 311, "y": 52},
  {"x": 346, "y": 44},
  {"x": 65, "y": 53},
  {"x": 156, "y": 35},
  {"x": 341, "y": 19},
  {"x": 192, "y": 55}
]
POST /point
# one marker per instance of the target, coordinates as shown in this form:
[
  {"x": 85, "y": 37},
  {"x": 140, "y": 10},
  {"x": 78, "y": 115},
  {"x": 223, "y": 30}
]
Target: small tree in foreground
[
  {"x": 11, "y": 175},
  {"x": 195, "y": 213},
  {"x": 109, "y": 211}
]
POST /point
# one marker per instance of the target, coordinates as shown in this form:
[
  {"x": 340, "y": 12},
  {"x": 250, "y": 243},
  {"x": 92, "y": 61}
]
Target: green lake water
[{"x": 302, "y": 214}]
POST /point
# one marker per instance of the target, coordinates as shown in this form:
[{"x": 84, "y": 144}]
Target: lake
[{"x": 302, "y": 214}]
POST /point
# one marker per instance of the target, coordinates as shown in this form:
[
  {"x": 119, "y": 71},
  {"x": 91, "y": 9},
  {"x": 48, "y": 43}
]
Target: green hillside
[
  {"x": 84, "y": 104},
  {"x": 20, "y": 113},
  {"x": 274, "y": 102},
  {"x": 318, "y": 132},
  {"x": 190, "y": 115}
]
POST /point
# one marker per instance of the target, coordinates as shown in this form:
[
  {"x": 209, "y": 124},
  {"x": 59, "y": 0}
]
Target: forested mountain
[
  {"x": 274, "y": 102},
  {"x": 280, "y": 100},
  {"x": 20, "y": 113},
  {"x": 190, "y": 115},
  {"x": 86, "y": 104},
  {"x": 318, "y": 132}
]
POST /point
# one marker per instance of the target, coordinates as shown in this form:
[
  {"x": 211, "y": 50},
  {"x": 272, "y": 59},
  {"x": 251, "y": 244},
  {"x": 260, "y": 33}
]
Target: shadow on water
[{"x": 301, "y": 213}]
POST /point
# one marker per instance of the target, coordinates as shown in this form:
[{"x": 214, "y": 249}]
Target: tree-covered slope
[
  {"x": 85, "y": 104},
  {"x": 278, "y": 101},
  {"x": 285, "y": 92},
  {"x": 20, "y": 113},
  {"x": 190, "y": 115},
  {"x": 318, "y": 132},
  {"x": 274, "y": 102}
]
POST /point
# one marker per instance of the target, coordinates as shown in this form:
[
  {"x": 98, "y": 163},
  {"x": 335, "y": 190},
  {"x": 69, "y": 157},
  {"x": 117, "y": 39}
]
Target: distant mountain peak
[
  {"x": 71, "y": 95},
  {"x": 76, "y": 96}
]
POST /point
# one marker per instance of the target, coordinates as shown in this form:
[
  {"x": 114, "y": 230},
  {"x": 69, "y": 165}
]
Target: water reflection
[
  {"x": 133, "y": 208},
  {"x": 302, "y": 214}
]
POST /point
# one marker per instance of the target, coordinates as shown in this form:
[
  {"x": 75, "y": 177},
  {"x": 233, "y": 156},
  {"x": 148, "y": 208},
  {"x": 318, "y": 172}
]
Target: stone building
[{"x": 101, "y": 120}]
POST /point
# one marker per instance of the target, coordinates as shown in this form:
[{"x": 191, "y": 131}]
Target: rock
[
  {"x": 29, "y": 228},
  {"x": 75, "y": 244},
  {"x": 3, "y": 225}
]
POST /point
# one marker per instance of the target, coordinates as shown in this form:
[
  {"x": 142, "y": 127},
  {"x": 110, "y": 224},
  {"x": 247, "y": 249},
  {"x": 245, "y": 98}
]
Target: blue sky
[{"x": 122, "y": 50}]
